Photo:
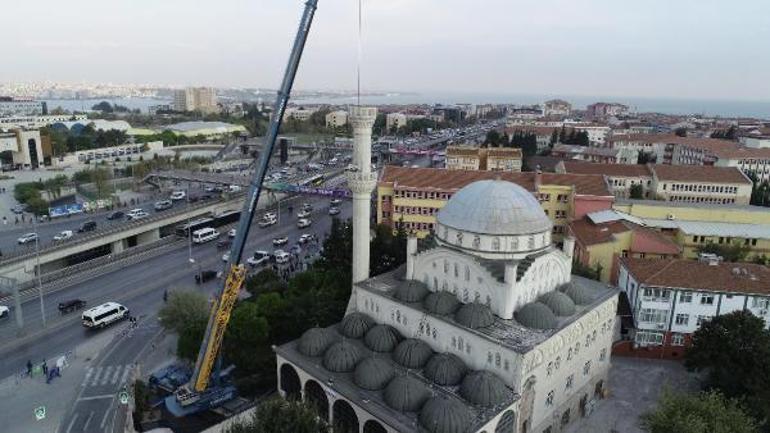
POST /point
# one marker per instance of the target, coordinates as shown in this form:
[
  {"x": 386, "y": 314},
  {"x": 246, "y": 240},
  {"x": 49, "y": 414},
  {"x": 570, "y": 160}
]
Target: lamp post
[{"x": 39, "y": 270}]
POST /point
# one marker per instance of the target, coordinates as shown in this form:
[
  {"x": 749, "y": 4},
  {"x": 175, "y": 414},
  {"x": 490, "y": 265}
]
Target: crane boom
[{"x": 225, "y": 298}]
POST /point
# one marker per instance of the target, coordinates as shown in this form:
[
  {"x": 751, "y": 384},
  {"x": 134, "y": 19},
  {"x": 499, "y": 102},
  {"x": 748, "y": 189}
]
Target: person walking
[
  {"x": 165, "y": 296},
  {"x": 29, "y": 367},
  {"x": 45, "y": 368}
]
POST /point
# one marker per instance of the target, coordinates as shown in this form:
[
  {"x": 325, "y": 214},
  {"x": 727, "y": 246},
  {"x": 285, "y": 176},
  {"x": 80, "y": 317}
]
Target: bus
[
  {"x": 316, "y": 180},
  {"x": 184, "y": 230},
  {"x": 226, "y": 218}
]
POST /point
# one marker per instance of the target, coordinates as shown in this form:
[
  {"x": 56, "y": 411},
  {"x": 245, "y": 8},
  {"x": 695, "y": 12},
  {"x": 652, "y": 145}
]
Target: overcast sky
[{"x": 711, "y": 49}]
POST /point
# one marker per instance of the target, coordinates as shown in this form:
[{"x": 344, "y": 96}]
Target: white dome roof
[{"x": 494, "y": 207}]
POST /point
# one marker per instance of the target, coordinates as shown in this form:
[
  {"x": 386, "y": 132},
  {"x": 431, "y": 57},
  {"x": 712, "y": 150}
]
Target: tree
[
  {"x": 637, "y": 191},
  {"x": 493, "y": 139},
  {"x": 104, "y": 107},
  {"x": 645, "y": 158},
  {"x": 681, "y": 132},
  {"x": 247, "y": 330},
  {"x": 280, "y": 416},
  {"x": 183, "y": 308},
  {"x": 701, "y": 413},
  {"x": 732, "y": 252},
  {"x": 733, "y": 351}
]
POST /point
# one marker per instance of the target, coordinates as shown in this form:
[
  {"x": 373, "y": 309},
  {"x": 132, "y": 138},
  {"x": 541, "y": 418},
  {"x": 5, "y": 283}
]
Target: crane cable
[{"x": 358, "y": 66}]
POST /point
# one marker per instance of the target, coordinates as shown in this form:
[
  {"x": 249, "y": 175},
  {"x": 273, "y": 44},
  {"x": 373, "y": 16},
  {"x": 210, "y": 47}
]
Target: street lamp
[{"x": 39, "y": 269}]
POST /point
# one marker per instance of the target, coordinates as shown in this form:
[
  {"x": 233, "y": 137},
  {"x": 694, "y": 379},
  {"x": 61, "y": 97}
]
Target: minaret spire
[{"x": 361, "y": 182}]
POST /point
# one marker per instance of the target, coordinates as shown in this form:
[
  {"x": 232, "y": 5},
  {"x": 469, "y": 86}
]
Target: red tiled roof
[
  {"x": 453, "y": 180},
  {"x": 588, "y": 233},
  {"x": 616, "y": 170},
  {"x": 691, "y": 274},
  {"x": 699, "y": 173},
  {"x": 649, "y": 241}
]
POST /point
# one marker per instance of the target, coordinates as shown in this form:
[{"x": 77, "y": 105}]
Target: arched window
[
  {"x": 476, "y": 242},
  {"x": 467, "y": 273},
  {"x": 344, "y": 418},
  {"x": 507, "y": 423},
  {"x": 496, "y": 244},
  {"x": 459, "y": 238},
  {"x": 457, "y": 271},
  {"x": 373, "y": 426},
  {"x": 316, "y": 398},
  {"x": 290, "y": 382}
]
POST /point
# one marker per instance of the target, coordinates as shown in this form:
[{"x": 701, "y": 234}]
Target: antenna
[{"x": 358, "y": 66}]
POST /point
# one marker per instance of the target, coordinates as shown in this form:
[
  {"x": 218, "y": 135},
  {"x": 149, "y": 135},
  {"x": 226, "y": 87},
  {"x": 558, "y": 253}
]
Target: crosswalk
[{"x": 107, "y": 375}]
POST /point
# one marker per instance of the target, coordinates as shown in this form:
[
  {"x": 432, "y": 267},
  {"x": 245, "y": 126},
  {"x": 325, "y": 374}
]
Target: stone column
[{"x": 362, "y": 182}]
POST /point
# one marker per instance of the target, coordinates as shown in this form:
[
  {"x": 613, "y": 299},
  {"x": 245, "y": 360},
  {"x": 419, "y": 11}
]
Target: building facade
[
  {"x": 337, "y": 119},
  {"x": 620, "y": 177},
  {"x": 10, "y": 107},
  {"x": 480, "y": 158},
  {"x": 602, "y": 155},
  {"x": 670, "y": 299},
  {"x": 557, "y": 108},
  {"x": 203, "y": 99},
  {"x": 36, "y": 122},
  {"x": 395, "y": 121},
  {"x": 483, "y": 330},
  {"x": 25, "y": 146},
  {"x": 700, "y": 184},
  {"x": 606, "y": 109}
]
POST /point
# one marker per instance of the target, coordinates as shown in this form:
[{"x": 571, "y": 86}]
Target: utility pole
[{"x": 39, "y": 269}]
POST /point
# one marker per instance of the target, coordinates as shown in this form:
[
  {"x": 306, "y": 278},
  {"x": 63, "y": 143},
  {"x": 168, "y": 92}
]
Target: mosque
[{"x": 483, "y": 330}]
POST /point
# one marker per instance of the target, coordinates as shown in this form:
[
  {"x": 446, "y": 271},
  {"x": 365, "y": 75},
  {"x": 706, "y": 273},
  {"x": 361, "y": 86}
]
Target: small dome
[
  {"x": 578, "y": 293},
  {"x": 406, "y": 394},
  {"x": 314, "y": 342},
  {"x": 445, "y": 369},
  {"x": 441, "y": 303},
  {"x": 559, "y": 303},
  {"x": 494, "y": 207},
  {"x": 341, "y": 357},
  {"x": 382, "y": 338},
  {"x": 411, "y": 291},
  {"x": 355, "y": 325},
  {"x": 442, "y": 415},
  {"x": 474, "y": 316},
  {"x": 373, "y": 373},
  {"x": 483, "y": 388},
  {"x": 536, "y": 315},
  {"x": 412, "y": 353}
]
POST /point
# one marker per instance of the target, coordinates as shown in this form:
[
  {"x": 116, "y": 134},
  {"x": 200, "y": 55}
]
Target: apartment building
[
  {"x": 203, "y": 99},
  {"x": 337, "y": 119},
  {"x": 479, "y": 158},
  {"x": 606, "y": 109},
  {"x": 543, "y": 134},
  {"x": 670, "y": 299},
  {"x": 413, "y": 196},
  {"x": 10, "y": 107},
  {"x": 301, "y": 114},
  {"x": 25, "y": 147},
  {"x": 620, "y": 177},
  {"x": 395, "y": 121},
  {"x": 598, "y": 135},
  {"x": 602, "y": 155},
  {"x": 700, "y": 184},
  {"x": 37, "y": 122},
  {"x": 557, "y": 108}
]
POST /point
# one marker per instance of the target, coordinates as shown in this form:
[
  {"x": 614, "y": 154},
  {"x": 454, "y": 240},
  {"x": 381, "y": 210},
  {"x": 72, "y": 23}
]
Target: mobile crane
[{"x": 200, "y": 393}]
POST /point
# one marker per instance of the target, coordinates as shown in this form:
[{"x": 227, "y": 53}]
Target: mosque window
[
  {"x": 588, "y": 340},
  {"x": 496, "y": 244},
  {"x": 577, "y": 347},
  {"x": 593, "y": 335},
  {"x": 435, "y": 283},
  {"x": 465, "y": 295},
  {"x": 489, "y": 357},
  {"x": 446, "y": 267},
  {"x": 497, "y": 359},
  {"x": 569, "y": 354},
  {"x": 587, "y": 368},
  {"x": 434, "y": 333},
  {"x": 467, "y": 273},
  {"x": 549, "y": 369},
  {"x": 549, "y": 399},
  {"x": 557, "y": 363},
  {"x": 457, "y": 271},
  {"x": 459, "y": 238},
  {"x": 454, "y": 341},
  {"x": 476, "y": 242},
  {"x": 515, "y": 243},
  {"x": 602, "y": 355},
  {"x": 531, "y": 242},
  {"x": 507, "y": 365}
]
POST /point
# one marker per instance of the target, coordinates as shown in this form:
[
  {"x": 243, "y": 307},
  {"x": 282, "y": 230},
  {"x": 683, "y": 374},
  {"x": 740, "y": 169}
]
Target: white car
[
  {"x": 281, "y": 256},
  {"x": 178, "y": 195},
  {"x": 259, "y": 258},
  {"x": 226, "y": 257},
  {"x": 267, "y": 222},
  {"x": 136, "y": 214},
  {"x": 281, "y": 241},
  {"x": 335, "y": 201},
  {"x": 334, "y": 210},
  {"x": 304, "y": 223},
  {"x": 63, "y": 236},
  {"x": 4, "y": 311},
  {"x": 234, "y": 188},
  {"x": 304, "y": 238},
  {"x": 26, "y": 238},
  {"x": 232, "y": 233},
  {"x": 303, "y": 214}
]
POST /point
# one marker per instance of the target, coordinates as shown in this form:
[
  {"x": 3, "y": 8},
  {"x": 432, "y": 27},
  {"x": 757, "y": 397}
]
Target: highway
[{"x": 140, "y": 287}]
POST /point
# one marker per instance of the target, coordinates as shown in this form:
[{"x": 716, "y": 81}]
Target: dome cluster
[
  {"x": 405, "y": 392},
  {"x": 544, "y": 313}
]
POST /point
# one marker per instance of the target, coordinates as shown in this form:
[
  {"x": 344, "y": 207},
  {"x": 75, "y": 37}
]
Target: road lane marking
[
  {"x": 72, "y": 423},
  {"x": 85, "y": 426},
  {"x": 89, "y": 372},
  {"x": 116, "y": 375},
  {"x": 96, "y": 397},
  {"x": 106, "y": 377},
  {"x": 126, "y": 372},
  {"x": 104, "y": 418},
  {"x": 96, "y": 376}
]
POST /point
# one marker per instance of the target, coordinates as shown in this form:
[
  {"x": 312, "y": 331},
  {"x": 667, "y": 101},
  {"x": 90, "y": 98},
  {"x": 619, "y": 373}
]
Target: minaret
[{"x": 361, "y": 182}]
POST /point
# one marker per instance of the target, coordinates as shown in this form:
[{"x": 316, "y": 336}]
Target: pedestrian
[
  {"x": 29, "y": 367},
  {"x": 165, "y": 295},
  {"x": 45, "y": 368},
  {"x": 5, "y": 220}
]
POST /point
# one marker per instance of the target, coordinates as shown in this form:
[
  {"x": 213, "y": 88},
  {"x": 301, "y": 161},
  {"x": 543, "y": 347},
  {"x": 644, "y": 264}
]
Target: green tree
[
  {"x": 280, "y": 416},
  {"x": 681, "y": 132},
  {"x": 645, "y": 158},
  {"x": 554, "y": 137},
  {"x": 733, "y": 351},
  {"x": 731, "y": 252},
  {"x": 184, "y": 307},
  {"x": 637, "y": 191},
  {"x": 247, "y": 330},
  {"x": 103, "y": 106},
  {"x": 701, "y": 413},
  {"x": 493, "y": 138}
]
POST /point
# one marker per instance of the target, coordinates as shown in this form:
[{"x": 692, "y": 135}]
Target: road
[{"x": 140, "y": 287}]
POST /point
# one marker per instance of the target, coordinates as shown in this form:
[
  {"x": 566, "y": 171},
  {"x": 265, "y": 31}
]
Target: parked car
[
  {"x": 87, "y": 226},
  {"x": 303, "y": 214},
  {"x": 27, "y": 238},
  {"x": 18, "y": 209},
  {"x": 232, "y": 233},
  {"x": 259, "y": 258},
  {"x": 281, "y": 256},
  {"x": 234, "y": 188},
  {"x": 203, "y": 276},
  {"x": 71, "y": 305},
  {"x": 178, "y": 195},
  {"x": 305, "y": 238},
  {"x": 281, "y": 241},
  {"x": 334, "y": 210},
  {"x": 213, "y": 189},
  {"x": 63, "y": 236},
  {"x": 115, "y": 215},
  {"x": 304, "y": 223},
  {"x": 4, "y": 311},
  {"x": 163, "y": 205}
]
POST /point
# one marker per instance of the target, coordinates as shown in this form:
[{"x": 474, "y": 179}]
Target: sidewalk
[{"x": 21, "y": 395}]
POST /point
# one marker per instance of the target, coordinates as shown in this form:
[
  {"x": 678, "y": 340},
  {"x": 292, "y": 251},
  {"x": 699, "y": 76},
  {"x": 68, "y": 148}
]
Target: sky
[{"x": 704, "y": 49}]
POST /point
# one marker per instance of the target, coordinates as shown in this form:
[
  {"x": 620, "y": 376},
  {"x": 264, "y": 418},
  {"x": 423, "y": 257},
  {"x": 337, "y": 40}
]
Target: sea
[{"x": 704, "y": 107}]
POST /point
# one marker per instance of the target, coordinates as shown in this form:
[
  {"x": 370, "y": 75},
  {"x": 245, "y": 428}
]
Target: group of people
[
  {"x": 298, "y": 261},
  {"x": 48, "y": 373}
]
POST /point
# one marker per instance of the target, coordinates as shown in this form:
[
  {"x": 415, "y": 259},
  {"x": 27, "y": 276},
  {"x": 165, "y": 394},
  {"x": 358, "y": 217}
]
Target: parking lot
[{"x": 635, "y": 386}]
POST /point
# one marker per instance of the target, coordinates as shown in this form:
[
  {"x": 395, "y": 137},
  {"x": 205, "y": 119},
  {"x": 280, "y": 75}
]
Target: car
[
  {"x": 178, "y": 195},
  {"x": 303, "y": 214},
  {"x": 335, "y": 201},
  {"x": 307, "y": 207},
  {"x": 267, "y": 222},
  {"x": 334, "y": 210},
  {"x": 71, "y": 305},
  {"x": 115, "y": 215},
  {"x": 281, "y": 257},
  {"x": 304, "y": 223},
  {"x": 234, "y": 188},
  {"x": 27, "y": 238},
  {"x": 213, "y": 189},
  {"x": 4, "y": 311},
  {"x": 232, "y": 233},
  {"x": 203, "y": 276},
  {"x": 270, "y": 215},
  {"x": 136, "y": 214},
  {"x": 305, "y": 238},
  {"x": 163, "y": 205},
  {"x": 87, "y": 226},
  {"x": 259, "y": 258},
  {"x": 63, "y": 236},
  {"x": 18, "y": 209},
  {"x": 226, "y": 257},
  {"x": 281, "y": 241}
]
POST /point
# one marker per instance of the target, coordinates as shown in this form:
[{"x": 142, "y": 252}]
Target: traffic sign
[
  {"x": 123, "y": 397},
  {"x": 40, "y": 412}
]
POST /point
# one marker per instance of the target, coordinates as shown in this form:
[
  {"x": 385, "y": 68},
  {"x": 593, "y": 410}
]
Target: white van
[
  {"x": 204, "y": 235},
  {"x": 178, "y": 195},
  {"x": 103, "y": 315},
  {"x": 281, "y": 256}
]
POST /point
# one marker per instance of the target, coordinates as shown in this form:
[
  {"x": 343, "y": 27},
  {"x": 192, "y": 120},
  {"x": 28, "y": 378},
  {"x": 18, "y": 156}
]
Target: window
[
  {"x": 587, "y": 368},
  {"x": 549, "y": 369},
  {"x": 645, "y": 338},
  {"x": 570, "y": 380},
  {"x": 549, "y": 399},
  {"x": 677, "y": 340},
  {"x": 569, "y": 354},
  {"x": 685, "y": 297},
  {"x": 652, "y": 315},
  {"x": 762, "y": 303},
  {"x": 707, "y": 299},
  {"x": 603, "y": 355},
  {"x": 682, "y": 319},
  {"x": 702, "y": 319},
  {"x": 557, "y": 364}
]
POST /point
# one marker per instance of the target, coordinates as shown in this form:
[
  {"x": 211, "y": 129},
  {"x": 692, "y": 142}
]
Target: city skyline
[{"x": 599, "y": 48}]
